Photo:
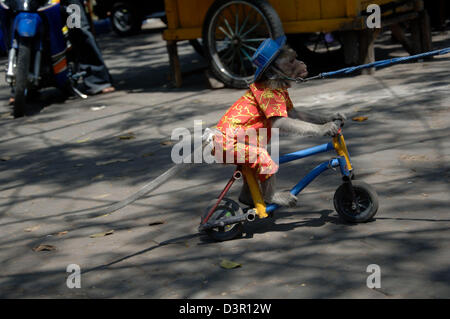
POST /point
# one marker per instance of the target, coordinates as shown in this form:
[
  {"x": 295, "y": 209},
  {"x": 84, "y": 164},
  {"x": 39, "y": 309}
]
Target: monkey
[
  {"x": 274, "y": 82},
  {"x": 269, "y": 99}
]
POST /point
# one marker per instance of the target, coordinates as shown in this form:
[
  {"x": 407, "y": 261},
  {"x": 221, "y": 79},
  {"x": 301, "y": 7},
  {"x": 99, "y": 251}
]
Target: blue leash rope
[{"x": 377, "y": 64}]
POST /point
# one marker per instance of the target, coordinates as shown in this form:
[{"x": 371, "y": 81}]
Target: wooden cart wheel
[{"x": 232, "y": 31}]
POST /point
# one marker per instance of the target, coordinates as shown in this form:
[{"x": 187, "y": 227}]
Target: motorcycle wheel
[{"x": 22, "y": 72}]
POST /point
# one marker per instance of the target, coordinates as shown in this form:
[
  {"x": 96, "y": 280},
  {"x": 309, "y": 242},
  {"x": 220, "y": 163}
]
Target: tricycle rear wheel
[
  {"x": 366, "y": 201},
  {"x": 226, "y": 208}
]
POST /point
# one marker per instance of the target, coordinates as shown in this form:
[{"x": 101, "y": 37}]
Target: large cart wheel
[
  {"x": 361, "y": 210},
  {"x": 226, "y": 208},
  {"x": 232, "y": 31}
]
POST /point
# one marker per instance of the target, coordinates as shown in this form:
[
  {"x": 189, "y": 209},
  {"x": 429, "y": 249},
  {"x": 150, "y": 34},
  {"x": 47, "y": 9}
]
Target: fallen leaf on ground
[
  {"x": 118, "y": 160},
  {"x": 418, "y": 158},
  {"x": 30, "y": 229},
  {"x": 5, "y": 158},
  {"x": 104, "y": 215},
  {"x": 44, "y": 248},
  {"x": 98, "y": 108},
  {"x": 62, "y": 233},
  {"x": 84, "y": 140},
  {"x": 167, "y": 143},
  {"x": 79, "y": 165},
  {"x": 99, "y": 176},
  {"x": 128, "y": 136},
  {"x": 5, "y": 115},
  {"x": 110, "y": 232},
  {"x": 159, "y": 222},
  {"x": 101, "y": 196},
  {"x": 360, "y": 118},
  {"x": 228, "y": 264}
]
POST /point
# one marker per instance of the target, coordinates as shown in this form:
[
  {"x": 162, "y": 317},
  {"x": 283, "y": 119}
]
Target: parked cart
[{"x": 231, "y": 30}]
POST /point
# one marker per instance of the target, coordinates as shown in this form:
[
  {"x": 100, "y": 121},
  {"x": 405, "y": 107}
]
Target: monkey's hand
[
  {"x": 337, "y": 117},
  {"x": 330, "y": 129}
]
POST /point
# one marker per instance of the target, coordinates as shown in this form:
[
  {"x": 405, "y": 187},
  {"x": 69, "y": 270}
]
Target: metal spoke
[
  {"x": 249, "y": 47},
  {"x": 225, "y": 32},
  {"x": 253, "y": 40},
  {"x": 246, "y": 54},
  {"x": 251, "y": 29},
  {"x": 228, "y": 26},
  {"x": 245, "y": 22}
]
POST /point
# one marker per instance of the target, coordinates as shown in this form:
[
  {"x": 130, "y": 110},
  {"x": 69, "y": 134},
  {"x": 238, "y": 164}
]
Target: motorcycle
[
  {"x": 39, "y": 48},
  {"x": 3, "y": 45}
]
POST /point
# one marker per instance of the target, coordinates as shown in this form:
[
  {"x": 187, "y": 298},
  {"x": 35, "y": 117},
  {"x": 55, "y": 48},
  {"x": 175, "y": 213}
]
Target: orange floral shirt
[{"x": 255, "y": 108}]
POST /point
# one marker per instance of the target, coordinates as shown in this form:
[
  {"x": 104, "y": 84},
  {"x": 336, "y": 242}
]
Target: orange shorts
[{"x": 230, "y": 151}]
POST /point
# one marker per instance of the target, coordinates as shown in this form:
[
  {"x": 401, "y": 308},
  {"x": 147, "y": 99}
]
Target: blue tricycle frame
[{"x": 354, "y": 201}]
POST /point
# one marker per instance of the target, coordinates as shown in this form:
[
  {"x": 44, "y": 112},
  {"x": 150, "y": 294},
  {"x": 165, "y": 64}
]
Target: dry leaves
[
  {"x": 31, "y": 229},
  {"x": 159, "y": 222},
  {"x": 101, "y": 196},
  {"x": 100, "y": 176},
  {"x": 5, "y": 158},
  {"x": 44, "y": 248},
  {"x": 109, "y": 232},
  {"x": 414, "y": 158},
  {"x": 167, "y": 143},
  {"x": 98, "y": 108},
  {"x": 228, "y": 264},
  {"x": 127, "y": 136},
  {"x": 83, "y": 140},
  {"x": 62, "y": 233},
  {"x": 360, "y": 118}
]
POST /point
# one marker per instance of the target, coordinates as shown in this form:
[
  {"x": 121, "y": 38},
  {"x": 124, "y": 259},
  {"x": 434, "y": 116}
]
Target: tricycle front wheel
[{"x": 360, "y": 210}]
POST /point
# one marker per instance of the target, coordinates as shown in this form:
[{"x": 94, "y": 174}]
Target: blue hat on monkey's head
[{"x": 266, "y": 53}]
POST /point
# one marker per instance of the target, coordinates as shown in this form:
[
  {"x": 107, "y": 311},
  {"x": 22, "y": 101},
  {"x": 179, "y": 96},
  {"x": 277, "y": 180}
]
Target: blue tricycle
[{"x": 354, "y": 200}]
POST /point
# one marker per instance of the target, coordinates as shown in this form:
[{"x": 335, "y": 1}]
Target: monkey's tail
[{"x": 149, "y": 187}]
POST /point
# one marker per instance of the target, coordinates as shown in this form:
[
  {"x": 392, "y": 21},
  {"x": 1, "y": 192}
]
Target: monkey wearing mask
[{"x": 265, "y": 105}]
